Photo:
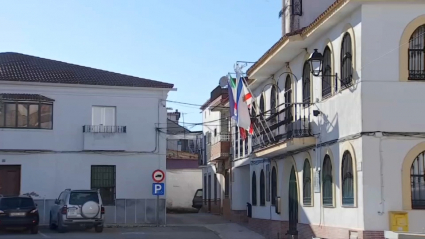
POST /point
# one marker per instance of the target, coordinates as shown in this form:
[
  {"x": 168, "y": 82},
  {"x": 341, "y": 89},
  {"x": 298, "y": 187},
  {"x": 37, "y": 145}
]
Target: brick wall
[
  {"x": 373, "y": 235},
  {"x": 309, "y": 231},
  {"x": 238, "y": 216},
  {"x": 227, "y": 211},
  {"x": 270, "y": 229}
]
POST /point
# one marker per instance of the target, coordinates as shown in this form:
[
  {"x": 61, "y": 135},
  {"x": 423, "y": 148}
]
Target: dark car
[
  {"x": 19, "y": 212},
  {"x": 197, "y": 199}
]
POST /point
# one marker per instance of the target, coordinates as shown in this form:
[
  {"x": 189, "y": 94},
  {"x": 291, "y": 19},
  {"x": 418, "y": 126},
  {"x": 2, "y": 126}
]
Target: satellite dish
[{"x": 223, "y": 81}]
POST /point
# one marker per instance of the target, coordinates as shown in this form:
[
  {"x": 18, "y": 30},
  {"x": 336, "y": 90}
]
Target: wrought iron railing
[
  {"x": 104, "y": 129},
  {"x": 293, "y": 122}
]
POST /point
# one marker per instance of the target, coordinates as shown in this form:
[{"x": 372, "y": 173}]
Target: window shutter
[
  {"x": 96, "y": 115},
  {"x": 109, "y": 116}
]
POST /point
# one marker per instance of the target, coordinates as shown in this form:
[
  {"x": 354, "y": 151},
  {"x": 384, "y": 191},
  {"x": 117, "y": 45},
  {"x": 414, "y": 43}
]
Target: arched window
[
  {"x": 347, "y": 179},
  {"x": 327, "y": 179},
  {"x": 346, "y": 62},
  {"x": 273, "y": 104},
  {"x": 262, "y": 189},
  {"x": 327, "y": 72},
  {"x": 288, "y": 100},
  {"x": 306, "y": 83},
  {"x": 274, "y": 185},
  {"x": 307, "y": 183},
  {"x": 262, "y": 105},
  {"x": 254, "y": 189},
  {"x": 417, "y": 179},
  {"x": 417, "y": 55}
]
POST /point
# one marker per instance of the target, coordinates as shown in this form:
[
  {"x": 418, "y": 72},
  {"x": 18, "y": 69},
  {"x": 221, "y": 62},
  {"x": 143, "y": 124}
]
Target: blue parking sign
[{"x": 158, "y": 189}]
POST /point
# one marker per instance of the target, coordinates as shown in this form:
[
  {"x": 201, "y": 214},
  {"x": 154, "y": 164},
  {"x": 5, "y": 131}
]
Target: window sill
[
  {"x": 310, "y": 205},
  {"x": 349, "y": 206},
  {"x": 329, "y": 206}
]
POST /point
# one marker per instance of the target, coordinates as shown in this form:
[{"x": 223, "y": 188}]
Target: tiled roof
[
  {"x": 20, "y": 67},
  {"x": 26, "y": 97},
  {"x": 303, "y": 31}
]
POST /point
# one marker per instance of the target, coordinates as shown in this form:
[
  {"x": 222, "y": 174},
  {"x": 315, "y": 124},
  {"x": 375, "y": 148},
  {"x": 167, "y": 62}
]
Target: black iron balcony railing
[
  {"x": 295, "y": 118},
  {"x": 104, "y": 129}
]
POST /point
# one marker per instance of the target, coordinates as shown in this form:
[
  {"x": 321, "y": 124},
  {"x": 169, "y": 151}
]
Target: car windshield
[
  {"x": 79, "y": 198},
  {"x": 198, "y": 193},
  {"x": 16, "y": 202}
]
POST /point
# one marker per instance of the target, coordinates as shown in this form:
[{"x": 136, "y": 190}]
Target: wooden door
[
  {"x": 293, "y": 203},
  {"x": 10, "y": 180}
]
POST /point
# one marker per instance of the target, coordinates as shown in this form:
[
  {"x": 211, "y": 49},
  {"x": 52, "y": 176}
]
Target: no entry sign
[{"x": 158, "y": 176}]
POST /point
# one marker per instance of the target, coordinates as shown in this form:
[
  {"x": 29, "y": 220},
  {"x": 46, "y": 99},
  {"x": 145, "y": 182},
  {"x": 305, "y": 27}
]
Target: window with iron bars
[
  {"x": 417, "y": 180},
  {"x": 103, "y": 178},
  {"x": 346, "y": 62},
  {"x": 417, "y": 54}
]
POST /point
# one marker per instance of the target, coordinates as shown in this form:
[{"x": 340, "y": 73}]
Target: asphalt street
[{"x": 186, "y": 232}]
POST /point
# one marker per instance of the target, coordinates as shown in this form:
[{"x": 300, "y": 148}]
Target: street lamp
[{"x": 316, "y": 61}]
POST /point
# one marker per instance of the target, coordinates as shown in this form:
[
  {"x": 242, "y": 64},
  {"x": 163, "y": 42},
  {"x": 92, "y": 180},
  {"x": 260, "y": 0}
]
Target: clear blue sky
[{"x": 190, "y": 43}]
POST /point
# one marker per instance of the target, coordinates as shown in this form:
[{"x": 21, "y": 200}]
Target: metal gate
[{"x": 293, "y": 203}]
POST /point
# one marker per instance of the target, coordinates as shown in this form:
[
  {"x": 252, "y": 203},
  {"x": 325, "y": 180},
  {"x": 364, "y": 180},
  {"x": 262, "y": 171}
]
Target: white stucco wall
[
  {"x": 394, "y": 151},
  {"x": 388, "y": 105},
  {"x": 181, "y": 187},
  {"x": 396, "y": 108},
  {"x": 240, "y": 187},
  {"x": 336, "y": 121},
  {"x": 50, "y": 174},
  {"x": 66, "y": 165}
]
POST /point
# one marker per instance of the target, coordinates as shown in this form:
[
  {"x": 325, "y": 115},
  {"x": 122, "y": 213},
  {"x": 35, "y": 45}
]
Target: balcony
[
  {"x": 220, "y": 147},
  {"x": 104, "y": 138},
  {"x": 281, "y": 132}
]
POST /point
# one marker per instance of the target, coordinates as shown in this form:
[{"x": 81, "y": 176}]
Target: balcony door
[{"x": 103, "y": 118}]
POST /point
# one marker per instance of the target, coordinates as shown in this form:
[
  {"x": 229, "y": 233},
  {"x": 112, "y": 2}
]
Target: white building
[
  {"x": 68, "y": 126},
  {"x": 215, "y": 161},
  {"x": 347, "y": 149},
  {"x": 184, "y": 177}
]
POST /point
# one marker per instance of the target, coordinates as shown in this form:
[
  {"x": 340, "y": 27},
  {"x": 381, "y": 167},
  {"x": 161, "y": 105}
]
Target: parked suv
[
  {"x": 82, "y": 208},
  {"x": 197, "y": 199},
  {"x": 20, "y": 211}
]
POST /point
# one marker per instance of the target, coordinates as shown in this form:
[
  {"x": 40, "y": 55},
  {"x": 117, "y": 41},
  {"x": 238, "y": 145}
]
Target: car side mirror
[
  {"x": 57, "y": 201},
  {"x": 35, "y": 204}
]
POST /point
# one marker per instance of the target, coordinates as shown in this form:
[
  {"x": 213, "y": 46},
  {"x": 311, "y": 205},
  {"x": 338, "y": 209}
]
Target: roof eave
[
  {"x": 286, "y": 41},
  {"x": 35, "y": 83}
]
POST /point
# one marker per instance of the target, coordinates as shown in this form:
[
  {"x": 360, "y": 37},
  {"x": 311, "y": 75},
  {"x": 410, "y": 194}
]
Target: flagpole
[{"x": 238, "y": 70}]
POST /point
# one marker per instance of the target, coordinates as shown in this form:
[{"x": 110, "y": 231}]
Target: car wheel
[
  {"x": 98, "y": 229},
  {"x": 34, "y": 230},
  {"x": 52, "y": 226}
]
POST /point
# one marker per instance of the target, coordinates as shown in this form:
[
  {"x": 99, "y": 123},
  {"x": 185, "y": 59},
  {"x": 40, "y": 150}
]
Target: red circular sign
[{"x": 158, "y": 176}]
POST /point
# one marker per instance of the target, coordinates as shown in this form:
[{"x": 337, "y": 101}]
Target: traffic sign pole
[{"x": 158, "y": 176}]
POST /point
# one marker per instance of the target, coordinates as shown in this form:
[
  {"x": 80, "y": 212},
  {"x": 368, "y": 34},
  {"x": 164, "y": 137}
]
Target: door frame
[
  {"x": 19, "y": 169},
  {"x": 293, "y": 193}
]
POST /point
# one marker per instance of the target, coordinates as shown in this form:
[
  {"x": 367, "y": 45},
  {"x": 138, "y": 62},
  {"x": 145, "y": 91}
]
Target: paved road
[
  {"x": 179, "y": 226},
  {"x": 187, "y": 232}
]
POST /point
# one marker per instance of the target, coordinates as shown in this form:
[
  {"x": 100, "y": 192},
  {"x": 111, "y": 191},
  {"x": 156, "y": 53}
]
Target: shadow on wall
[{"x": 312, "y": 220}]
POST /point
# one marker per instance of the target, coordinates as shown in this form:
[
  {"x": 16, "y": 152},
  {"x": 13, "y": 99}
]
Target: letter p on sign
[{"x": 158, "y": 189}]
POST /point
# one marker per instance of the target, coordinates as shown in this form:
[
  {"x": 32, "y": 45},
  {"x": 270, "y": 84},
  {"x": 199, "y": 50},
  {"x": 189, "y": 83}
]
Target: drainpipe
[{"x": 381, "y": 172}]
